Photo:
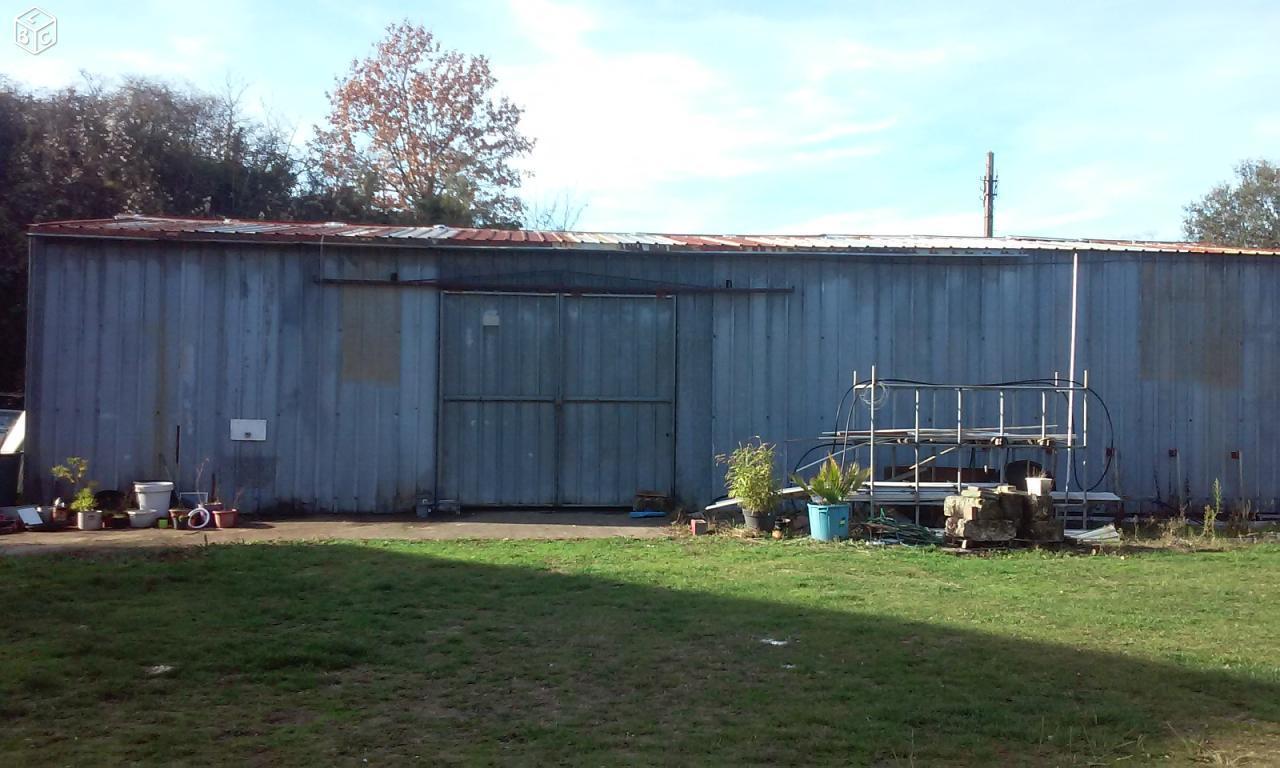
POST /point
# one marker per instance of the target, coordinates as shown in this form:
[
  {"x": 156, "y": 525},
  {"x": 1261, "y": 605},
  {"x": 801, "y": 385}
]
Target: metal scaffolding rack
[{"x": 927, "y": 444}]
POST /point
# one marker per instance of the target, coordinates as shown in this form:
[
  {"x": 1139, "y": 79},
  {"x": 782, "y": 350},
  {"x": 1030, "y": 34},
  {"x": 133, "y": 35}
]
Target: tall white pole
[{"x": 1071, "y": 370}]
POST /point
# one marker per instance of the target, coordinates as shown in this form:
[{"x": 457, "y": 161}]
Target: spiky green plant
[
  {"x": 1212, "y": 511},
  {"x": 750, "y": 477},
  {"x": 832, "y": 484}
]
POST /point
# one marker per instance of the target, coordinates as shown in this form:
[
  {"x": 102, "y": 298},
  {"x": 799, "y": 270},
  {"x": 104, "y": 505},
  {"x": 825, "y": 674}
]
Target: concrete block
[
  {"x": 1039, "y": 508},
  {"x": 1044, "y": 530},
  {"x": 1014, "y": 504},
  {"x": 974, "y": 508},
  {"x": 981, "y": 530}
]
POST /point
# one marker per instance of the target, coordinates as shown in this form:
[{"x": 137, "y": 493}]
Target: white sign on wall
[{"x": 253, "y": 430}]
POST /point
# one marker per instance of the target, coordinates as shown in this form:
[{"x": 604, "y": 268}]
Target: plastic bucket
[
  {"x": 153, "y": 496},
  {"x": 828, "y": 522},
  {"x": 144, "y": 518}
]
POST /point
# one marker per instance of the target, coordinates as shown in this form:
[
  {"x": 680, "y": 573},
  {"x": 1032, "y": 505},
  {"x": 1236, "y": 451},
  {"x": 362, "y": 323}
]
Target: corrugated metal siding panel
[
  {"x": 149, "y": 338},
  {"x": 497, "y": 452},
  {"x": 617, "y": 348},
  {"x": 1184, "y": 347}
]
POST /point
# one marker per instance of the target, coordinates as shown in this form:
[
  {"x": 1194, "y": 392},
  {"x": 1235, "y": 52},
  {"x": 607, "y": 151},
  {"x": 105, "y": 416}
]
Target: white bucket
[
  {"x": 153, "y": 496},
  {"x": 144, "y": 518}
]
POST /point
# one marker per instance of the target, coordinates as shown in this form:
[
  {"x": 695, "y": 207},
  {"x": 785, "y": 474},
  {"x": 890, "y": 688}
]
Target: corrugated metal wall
[
  {"x": 131, "y": 340},
  {"x": 132, "y": 343}
]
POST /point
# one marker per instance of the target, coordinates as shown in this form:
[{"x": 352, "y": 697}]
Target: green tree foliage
[
  {"x": 93, "y": 151},
  {"x": 1243, "y": 213},
  {"x": 141, "y": 146}
]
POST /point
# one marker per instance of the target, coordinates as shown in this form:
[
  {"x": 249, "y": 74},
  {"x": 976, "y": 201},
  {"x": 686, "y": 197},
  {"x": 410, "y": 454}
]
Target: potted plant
[
  {"x": 178, "y": 517},
  {"x": 227, "y": 517},
  {"x": 61, "y": 514},
  {"x": 88, "y": 518},
  {"x": 1038, "y": 483},
  {"x": 751, "y": 481},
  {"x": 829, "y": 492},
  {"x": 83, "y": 505}
]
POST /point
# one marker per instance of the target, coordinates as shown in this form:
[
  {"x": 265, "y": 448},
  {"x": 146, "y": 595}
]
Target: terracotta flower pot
[
  {"x": 226, "y": 518},
  {"x": 178, "y": 518}
]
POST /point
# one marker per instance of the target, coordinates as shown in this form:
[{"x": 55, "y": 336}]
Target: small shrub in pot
[
  {"x": 750, "y": 479},
  {"x": 83, "y": 504}
]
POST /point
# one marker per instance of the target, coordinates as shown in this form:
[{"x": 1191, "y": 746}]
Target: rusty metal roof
[{"x": 164, "y": 228}]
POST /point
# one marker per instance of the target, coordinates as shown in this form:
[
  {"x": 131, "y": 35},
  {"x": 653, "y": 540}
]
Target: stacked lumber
[{"x": 995, "y": 515}]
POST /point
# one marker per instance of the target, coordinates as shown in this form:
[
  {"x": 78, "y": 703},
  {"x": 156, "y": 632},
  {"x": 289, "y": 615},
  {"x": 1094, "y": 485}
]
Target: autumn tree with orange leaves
[{"x": 421, "y": 127}]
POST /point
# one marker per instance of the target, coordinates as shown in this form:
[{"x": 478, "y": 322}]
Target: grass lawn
[{"x": 638, "y": 652}]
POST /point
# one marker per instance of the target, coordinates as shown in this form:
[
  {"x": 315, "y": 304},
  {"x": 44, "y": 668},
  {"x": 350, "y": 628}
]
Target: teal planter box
[{"x": 828, "y": 522}]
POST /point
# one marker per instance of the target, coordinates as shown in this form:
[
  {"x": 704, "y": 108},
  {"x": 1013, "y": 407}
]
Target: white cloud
[
  {"x": 889, "y": 221},
  {"x": 1267, "y": 128},
  {"x": 610, "y": 120},
  {"x": 834, "y": 132},
  {"x": 1067, "y": 203},
  {"x": 40, "y": 72},
  {"x": 843, "y": 56}
]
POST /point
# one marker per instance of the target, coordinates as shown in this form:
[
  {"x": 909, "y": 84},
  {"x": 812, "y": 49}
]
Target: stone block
[
  {"x": 1044, "y": 530},
  {"x": 1039, "y": 508},
  {"x": 1015, "y": 505},
  {"x": 981, "y": 530},
  {"x": 972, "y": 508}
]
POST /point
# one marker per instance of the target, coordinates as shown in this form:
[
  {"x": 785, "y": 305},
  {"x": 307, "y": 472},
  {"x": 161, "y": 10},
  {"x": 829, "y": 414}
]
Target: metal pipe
[
  {"x": 1084, "y": 443},
  {"x": 552, "y": 288},
  {"x": 1004, "y": 453},
  {"x": 1071, "y": 369},
  {"x": 959, "y": 430},
  {"x": 872, "y": 460},
  {"x": 916, "y": 489}
]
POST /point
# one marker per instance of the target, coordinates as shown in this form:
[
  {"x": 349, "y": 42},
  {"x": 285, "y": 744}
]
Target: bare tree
[{"x": 560, "y": 213}]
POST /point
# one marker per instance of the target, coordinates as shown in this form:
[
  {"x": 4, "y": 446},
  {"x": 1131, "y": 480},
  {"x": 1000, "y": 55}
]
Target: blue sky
[{"x": 754, "y": 117}]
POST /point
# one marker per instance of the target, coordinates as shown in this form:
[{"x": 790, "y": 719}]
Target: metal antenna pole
[{"x": 989, "y": 196}]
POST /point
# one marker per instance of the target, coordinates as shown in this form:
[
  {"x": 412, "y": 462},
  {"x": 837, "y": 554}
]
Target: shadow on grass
[
  {"x": 324, "y": 654},
  {"x": 612, "y": 518}
]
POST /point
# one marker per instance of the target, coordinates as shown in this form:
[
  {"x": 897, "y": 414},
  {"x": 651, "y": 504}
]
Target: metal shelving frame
[{"x": 940, "y": 441}]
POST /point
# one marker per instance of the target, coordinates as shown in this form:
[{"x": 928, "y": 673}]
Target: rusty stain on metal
[{"x": 158, "y": 228}]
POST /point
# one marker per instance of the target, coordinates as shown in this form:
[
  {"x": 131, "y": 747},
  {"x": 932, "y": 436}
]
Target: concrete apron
[{"x": 480, "y": 525}]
